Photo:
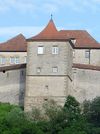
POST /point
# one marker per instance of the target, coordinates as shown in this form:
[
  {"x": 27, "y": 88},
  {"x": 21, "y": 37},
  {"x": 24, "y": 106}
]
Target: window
[
  {"x": 73, "y": 53},
  {"x": 2, "y": 60},
  {"x": 38, "y": 69},
  {"x": 40, "y": 50},
  {"x": 55, "y": 69},
  {"x": 16, "y": 60},
  {"x": 55, "y": 50},
  {"x": 25, "y": 59},
  {"x": 73, "y": 41},
  {"x": 12, "y": 60},
  {"x": 87, "y": 53}
]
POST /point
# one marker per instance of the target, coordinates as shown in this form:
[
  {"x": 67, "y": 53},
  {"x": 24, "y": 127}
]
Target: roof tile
[
  {"x": 15, "y": 44},
  {"x": 83, "y": 38}
]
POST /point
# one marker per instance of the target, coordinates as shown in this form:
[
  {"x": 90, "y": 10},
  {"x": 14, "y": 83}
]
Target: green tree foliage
[
  {"x": 92, "y": 111},
  {"x": 72, "y": 108},
  {"x": 92, "y": 114},
  {"x": 52, "y": 119},
  {"x": 14, "y": 121},
  {"x": 95, "y": 111}
]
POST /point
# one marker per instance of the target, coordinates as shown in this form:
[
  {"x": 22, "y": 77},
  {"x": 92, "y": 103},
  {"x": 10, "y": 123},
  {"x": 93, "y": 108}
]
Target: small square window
[
  {"x": 55, "y": 69},
  {"x": 38, "y": 69},
  {"x": 40, "y": 50},
  {"x": 55, "y": 50}
]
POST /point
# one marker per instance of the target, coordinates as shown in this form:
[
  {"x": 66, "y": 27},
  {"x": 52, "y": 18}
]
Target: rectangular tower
[{"x": 49, "y": 67}]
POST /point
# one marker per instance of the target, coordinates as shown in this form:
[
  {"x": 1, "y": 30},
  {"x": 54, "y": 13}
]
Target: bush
[
  {"x": 92, "y": 111},
  {"x": 52, "y": 119}
]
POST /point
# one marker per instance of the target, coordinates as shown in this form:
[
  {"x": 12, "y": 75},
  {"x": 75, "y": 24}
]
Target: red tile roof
[
  {"x": 83, "y": 38},
  {"x": 49, "y": 33},
  {"x": 16, "y": 44},
  {"x": 86, "y": 66}
]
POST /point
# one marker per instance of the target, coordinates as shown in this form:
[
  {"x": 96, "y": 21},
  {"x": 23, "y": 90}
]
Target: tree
[
  {"x": 72, "y": 109},
  {"x": 56, "y": 117},
  {"x": 92, "y": 111}
]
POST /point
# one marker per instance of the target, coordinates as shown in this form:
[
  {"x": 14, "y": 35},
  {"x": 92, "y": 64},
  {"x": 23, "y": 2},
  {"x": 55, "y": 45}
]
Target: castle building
[
  {"x": 59, "y": 63},
  {"x": 86, "y": 51},
  {"x": 13, "y": 51}
]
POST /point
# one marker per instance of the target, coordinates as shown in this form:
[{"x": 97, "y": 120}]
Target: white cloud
[
  {"x": 19, "y": 5},
  {"x": 32, "y": 6},
  {"x": 29, "y": 6},
  {"x": 50, "y": 8},
  {"x": 78, "y": 5}
]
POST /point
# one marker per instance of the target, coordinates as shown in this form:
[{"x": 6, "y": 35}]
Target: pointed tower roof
[
  {"x": 50, "y": 32},
  {"x": 49, "y": 29},
  {"x": 82, "y": 38}
]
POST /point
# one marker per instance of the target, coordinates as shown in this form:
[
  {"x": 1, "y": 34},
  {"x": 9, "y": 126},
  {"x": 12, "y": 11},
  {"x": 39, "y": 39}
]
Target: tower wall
[{"x": 47, "y": 85}]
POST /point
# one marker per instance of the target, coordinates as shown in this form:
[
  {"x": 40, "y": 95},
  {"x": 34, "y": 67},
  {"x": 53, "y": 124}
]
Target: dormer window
[
  {"x": 73, "y": 41},
  {"x": 40, "y": 50},
  {"x": 55, "y": 50}
]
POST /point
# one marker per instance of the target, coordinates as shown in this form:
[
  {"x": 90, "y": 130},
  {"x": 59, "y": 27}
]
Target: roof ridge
[
  {"x": 17, "y": 43},
  {"x": 72, "y": 30},
  {"x": 17, "y": 36}
]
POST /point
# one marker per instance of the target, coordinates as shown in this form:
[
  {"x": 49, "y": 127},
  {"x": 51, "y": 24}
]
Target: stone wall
[
  {"x": 95, "y": 57},
  {"x": 12, "y": 86},
  {"x": 86, "y": 84},
  {"x": 44, "y": 88},
  {"x": 47, "y": 84},
  {"x": 79, "y": 56},
  {"x": 63, "y": 60}
]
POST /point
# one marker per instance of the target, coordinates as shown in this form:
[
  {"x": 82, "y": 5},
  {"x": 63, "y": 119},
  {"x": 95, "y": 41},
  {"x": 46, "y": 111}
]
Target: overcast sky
[{"x": 30, "y": 16}]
